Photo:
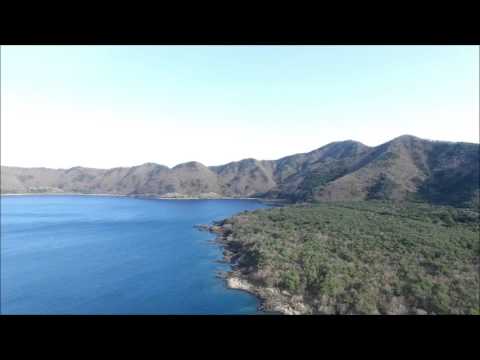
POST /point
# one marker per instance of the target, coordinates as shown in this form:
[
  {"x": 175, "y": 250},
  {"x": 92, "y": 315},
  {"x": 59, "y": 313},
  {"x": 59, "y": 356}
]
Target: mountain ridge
[{"x": 406, "y": 167}]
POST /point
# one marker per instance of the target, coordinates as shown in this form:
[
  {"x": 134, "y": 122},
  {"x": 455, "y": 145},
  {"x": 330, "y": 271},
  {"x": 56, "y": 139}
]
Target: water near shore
[{"x": 115, "y": 255}]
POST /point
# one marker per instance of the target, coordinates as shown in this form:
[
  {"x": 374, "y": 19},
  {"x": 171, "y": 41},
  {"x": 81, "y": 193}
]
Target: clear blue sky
[{"x": 106, "y": 106}]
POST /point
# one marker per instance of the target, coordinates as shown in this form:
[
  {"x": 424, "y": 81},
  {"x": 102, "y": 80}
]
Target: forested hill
[{"x": 406, "y": 167}]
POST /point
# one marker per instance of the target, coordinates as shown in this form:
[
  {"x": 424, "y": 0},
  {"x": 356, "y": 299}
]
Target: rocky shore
[{"x": 272, "y": 300}]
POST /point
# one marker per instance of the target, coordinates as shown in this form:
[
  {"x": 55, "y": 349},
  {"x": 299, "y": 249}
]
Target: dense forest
[{"x": 370, "y": 257}]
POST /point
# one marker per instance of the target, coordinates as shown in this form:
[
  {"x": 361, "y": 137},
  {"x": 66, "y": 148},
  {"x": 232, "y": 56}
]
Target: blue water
[{"x": 113, "y": 255}]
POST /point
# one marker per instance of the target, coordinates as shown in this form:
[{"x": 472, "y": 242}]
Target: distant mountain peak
[
  {"x": 189, "y": 164},
  {"x": 150, "y": 164},
  {"x": 407, "y": 137}
]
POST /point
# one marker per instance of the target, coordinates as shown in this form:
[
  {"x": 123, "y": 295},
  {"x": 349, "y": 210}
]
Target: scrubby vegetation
[{"x": 363, "y": 257}]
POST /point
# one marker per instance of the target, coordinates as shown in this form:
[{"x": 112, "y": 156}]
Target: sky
[{"x": 109, "y": 106}]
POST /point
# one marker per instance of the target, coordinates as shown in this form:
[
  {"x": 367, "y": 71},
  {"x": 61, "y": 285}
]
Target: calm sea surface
[{"x": 114, "y": 255}]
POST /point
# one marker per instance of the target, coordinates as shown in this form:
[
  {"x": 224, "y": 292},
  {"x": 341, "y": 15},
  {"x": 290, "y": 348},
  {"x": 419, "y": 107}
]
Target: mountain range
[{"x": 405, "y": 168}]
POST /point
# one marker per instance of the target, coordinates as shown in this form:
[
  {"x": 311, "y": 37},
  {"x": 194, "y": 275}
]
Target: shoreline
[
  {"x": 271, "y": 300},
  {"x": 60, "y": 194},
  {"x": 135, "y": 196},
  {"x": 273, "y": 202},
  {"x": 190, "y": 197}
]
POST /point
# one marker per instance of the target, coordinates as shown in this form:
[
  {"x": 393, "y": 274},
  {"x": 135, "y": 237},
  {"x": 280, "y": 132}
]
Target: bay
[{"x": 115, "y": 255}]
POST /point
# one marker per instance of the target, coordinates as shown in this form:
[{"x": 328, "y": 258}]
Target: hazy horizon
[{"x": 120, "y": 106}]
